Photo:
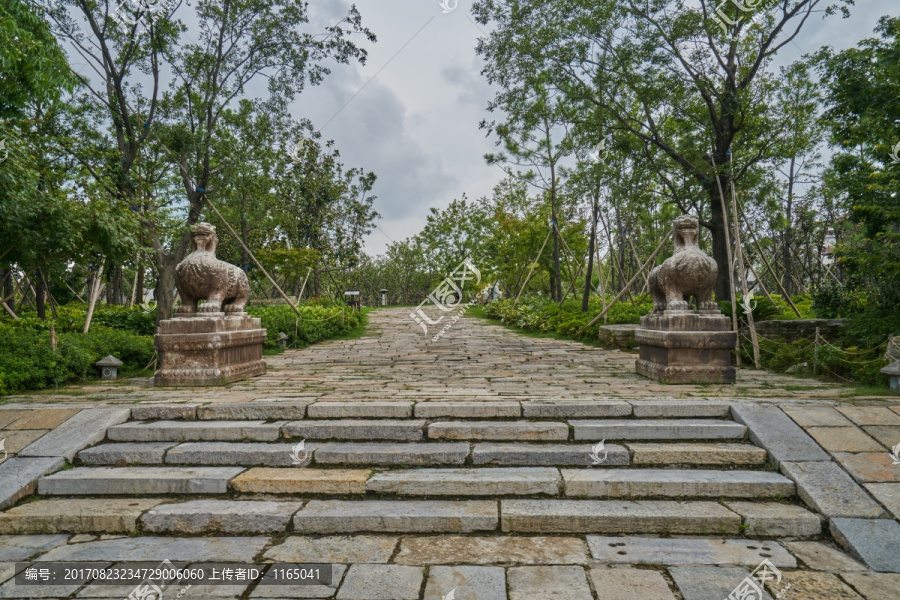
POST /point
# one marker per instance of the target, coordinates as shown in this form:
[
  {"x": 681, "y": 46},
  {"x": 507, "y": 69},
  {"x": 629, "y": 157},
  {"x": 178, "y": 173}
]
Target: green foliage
[
  {"x": 318, "y": 322},
  {"x": 542, "y": 315},
  {"x": 763, "y": 309},
  {"x": 27, "y": 361}
]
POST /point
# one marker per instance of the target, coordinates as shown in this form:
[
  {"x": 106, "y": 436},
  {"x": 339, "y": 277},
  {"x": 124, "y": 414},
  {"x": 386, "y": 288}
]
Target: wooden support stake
[
  {"x": 96, "y": 287},
  {"x": 628, "y": 285},
  {"x": 531, "y": 270}
]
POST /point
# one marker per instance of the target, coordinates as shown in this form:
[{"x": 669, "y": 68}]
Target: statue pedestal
[
  {"x": 686, "y": 347},
  {"x": 209, "y": 349}
]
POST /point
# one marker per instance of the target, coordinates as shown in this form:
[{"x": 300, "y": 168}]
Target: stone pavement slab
[
  {"x": 76, "y": 515},
  {"x": 888, "y": 435},
  {"x": 825, "y": 487},
  {"x": 17, "y": 440},
  {"x": 406, "y": 516},
  {"x": 522, "y": 481},
  {"x": 149, "y": 549},
  {"x": 466, "y": 583},
  {"x": 540, "y": 583},
  {"x": 627, "y": 583},
  {"x": 844, "y": 439},
  {"x": 869, "y": 467},
  {"x": 870, "y": 415},
  {"x": 813, "y": 586},
  {"x": 775, "y": 519},
  {"x": 478, "y": 550},
  {"x": 163, "y": 412},
  {"x": 888, "y": 494},
  {"x": 774, "y": 431},
  {"x": 816, "y": 416},
  {"x": 876, "y": 542},
  {"x": 709, "y": 583},
  {"x": 42, "y": 418},
  {"x": 270, "y": 592},
  {"x": 8, "y": 416},
  {"x": 687, "y": 551},
  {"x": 19, "y": 476},
  {"x": 381, "y": 582},
  {"x": 874, "y": 586},
  {"x": 346, "y": 549},
  {"x": 195, "y": 431},
  {"x": 819, "y": 557},
  {"x": 15, "y": 548},
  {"x": 84, "y": 429},
  {"x": 199, "y": 517}
]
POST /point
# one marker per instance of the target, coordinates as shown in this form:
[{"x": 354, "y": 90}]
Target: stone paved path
[{"x": 464, "y": 466}]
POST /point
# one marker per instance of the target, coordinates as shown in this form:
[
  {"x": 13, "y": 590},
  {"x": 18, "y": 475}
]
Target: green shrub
[{"x": 318, "y": 322}]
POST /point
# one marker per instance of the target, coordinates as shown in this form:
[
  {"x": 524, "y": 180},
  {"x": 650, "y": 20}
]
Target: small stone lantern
[
  {"x": 109, "y": 367},
  {"x": 384, "y": 297},
  {"x": 282, "y": 339}
]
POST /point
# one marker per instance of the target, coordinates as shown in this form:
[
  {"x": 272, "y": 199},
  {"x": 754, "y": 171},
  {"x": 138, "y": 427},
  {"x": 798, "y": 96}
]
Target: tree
[{"x": 662, "y": 71}]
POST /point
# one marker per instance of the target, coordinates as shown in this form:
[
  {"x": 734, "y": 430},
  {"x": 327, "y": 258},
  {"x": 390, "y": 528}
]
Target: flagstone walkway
[{"x": 462, "y": 469}]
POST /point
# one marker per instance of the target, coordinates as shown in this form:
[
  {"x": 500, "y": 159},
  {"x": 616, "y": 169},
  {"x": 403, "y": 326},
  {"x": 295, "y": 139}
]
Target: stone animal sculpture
[
  {"x": 688, "y": 272},
  {"x": 202, "y": 276}
]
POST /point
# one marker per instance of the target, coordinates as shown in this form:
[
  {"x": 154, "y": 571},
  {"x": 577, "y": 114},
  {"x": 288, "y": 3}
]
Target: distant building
[{"x": 828, "y": 248}]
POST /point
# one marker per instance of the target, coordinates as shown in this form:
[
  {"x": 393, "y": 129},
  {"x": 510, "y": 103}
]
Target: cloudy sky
[{"x": 415, "y": 120}]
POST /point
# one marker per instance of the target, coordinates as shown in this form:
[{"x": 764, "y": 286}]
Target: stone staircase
[{"x": 666, "y": 467}]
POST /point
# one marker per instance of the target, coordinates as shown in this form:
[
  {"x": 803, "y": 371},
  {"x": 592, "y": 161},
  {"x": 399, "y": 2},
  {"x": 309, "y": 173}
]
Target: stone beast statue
[
  {"x": 202, "y": 276},
  {"x": 688, "y": 272}
]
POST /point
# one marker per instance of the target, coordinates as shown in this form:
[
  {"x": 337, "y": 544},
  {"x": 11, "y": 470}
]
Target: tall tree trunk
[
  {"x": 789, "y": 233},
  {"x": 114, "y": 292},
  {"x": 40, "y": 298},
  {"x": 589, "y": 274},
  {"x": 245, "y": 256},
  {"x": 139, "y": 291},
  {"x": 716, "y": 227},
  {"x": 620, "y": 233},
  {"x": 165, "y": 286}
]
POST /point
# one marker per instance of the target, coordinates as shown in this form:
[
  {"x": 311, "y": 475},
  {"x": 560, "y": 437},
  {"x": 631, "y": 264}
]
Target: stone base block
[
  {"x": 686, "y": 347},
  {"x": 209, "y": 349}
]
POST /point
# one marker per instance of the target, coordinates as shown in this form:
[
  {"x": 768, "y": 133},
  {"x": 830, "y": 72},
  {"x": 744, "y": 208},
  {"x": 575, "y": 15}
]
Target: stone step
[
  {"x": 499, "y": 430},
  {"x": 398, "y": 516},
  {"x": 524, "y": 481},
  {"x": 357, "y": 429},
  {"x": 243, "y": 454},
  {"x": 76, "y": 515},
  {"x": 387, "y": 454},
  {"x": 91, "y": 481},
  {"x": 649, "y": 483},
  {"x": 618, "y": 516},
  {"x": 360, "y": 410},
  {"x": 126, "y": 453},
  {"x": 696, "y": 454},
  {"x": 547, "y": 454},
  {"x": 658, "y": 429},
  {"x": 236, "y": 517},
  {"x": 195, "y": 431}
]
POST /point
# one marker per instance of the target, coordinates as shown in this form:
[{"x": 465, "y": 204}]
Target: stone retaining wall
[{"x": 794, "y": 329}]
